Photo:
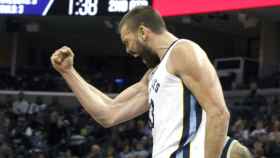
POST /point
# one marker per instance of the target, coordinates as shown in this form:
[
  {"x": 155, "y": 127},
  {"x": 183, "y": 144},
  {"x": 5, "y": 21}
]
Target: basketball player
[
  {"x": 181, "y": 91},
  {"x": 233, "y": 149}
]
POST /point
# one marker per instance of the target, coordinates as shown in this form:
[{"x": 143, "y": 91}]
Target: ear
[{"x": 142, "y": 32}]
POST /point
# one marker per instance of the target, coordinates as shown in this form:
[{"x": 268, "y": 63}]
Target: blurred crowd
[
  {"x": 106, "y": 79},
  {"x": 105, "y": 72},
  {"x": 53, "y": 82},
  {"x": 255, "y": 121},
  {"x": 39, "y": 130},
  {"x": 29, "y": 81}
]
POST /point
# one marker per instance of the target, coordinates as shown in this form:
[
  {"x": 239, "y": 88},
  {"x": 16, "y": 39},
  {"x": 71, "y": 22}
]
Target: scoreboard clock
[{"x": 83, "y": 7}]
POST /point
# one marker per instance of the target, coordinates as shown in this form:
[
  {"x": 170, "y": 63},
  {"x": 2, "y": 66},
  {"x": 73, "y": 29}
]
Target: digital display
[
  {"x": 69, "y": 7},
  {"x": 185, "y": 7},
  {"x": 29, "y": 7},
  {"x": 97, "y": 7}
]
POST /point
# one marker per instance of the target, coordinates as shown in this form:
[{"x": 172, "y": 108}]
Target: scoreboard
[
  {"x": 102, "y": 7},
  {"x": 69, "y": 7},
  {"x": 119, "y": 7},
  {"x": 187, "y": 7}
]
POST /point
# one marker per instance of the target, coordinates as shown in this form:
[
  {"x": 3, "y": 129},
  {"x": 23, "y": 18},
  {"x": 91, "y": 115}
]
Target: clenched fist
[{"x": 62, "y": 59}]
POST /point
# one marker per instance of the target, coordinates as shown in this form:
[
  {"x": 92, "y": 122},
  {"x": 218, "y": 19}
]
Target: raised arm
[
  {"x": 108, "y": 112},
  {"x": 192, "y": 65}
]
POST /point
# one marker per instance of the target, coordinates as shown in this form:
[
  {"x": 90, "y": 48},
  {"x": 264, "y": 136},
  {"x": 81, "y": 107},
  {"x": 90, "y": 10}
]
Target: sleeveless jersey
[{"x": 177, "y": 120}]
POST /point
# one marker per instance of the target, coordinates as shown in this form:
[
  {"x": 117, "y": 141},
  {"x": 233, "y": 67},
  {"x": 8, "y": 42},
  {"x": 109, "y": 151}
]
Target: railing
[{"x": 67, "y": 98}]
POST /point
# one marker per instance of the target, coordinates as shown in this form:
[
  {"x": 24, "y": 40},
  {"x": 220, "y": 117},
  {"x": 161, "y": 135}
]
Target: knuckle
[{"x": 55, "y": 54}]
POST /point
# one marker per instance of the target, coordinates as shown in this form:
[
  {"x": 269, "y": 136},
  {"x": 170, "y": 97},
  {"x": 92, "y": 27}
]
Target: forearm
[
  {"x": 94, "y": 102},
  {"x": 216, "y": 132}
]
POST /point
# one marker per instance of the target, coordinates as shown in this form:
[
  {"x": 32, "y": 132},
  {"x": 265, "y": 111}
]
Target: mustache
[{"x": 134, "y": 54}]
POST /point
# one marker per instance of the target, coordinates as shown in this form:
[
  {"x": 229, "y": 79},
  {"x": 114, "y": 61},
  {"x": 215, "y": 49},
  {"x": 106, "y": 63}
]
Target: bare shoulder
[
  {"x": 187, "y": 50},
  {"x": 185, "y": 56}
]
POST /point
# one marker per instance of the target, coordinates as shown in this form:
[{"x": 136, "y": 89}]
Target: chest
[{"x": 158, "y": 81}]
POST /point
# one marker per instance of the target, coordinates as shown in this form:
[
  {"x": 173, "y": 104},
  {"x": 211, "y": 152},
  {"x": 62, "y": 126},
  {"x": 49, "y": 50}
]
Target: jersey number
[{"x": 151, "y": 114}]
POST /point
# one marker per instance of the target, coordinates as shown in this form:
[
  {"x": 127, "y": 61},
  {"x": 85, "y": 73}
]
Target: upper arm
[
  {"x": 139, "y": 87},
  {"x": 130, "y": 103},
  {"x": 192, "y": 65}
]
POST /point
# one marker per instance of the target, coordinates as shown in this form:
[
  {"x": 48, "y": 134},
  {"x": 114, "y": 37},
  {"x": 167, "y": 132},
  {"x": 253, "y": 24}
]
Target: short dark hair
[{"x": 143, "y": 15}]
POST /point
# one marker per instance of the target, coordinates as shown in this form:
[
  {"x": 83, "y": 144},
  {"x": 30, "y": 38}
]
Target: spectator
[
  {"x": 274, "y": 146},
  {"x": 20, "y": 106},
  {"x": 50, "y": 130},
  {"x": 258, "y": 150},
  {"x": 260, "y": 129},
  {"x": 56, "y": 129},
  {"x": 239, "y": 131},
  {"x": 37, "y": 106},
  {"x": 95, "y": 152}
]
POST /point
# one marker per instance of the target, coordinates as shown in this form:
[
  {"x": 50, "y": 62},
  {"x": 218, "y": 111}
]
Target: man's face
[{"x": 138, "y": 48}]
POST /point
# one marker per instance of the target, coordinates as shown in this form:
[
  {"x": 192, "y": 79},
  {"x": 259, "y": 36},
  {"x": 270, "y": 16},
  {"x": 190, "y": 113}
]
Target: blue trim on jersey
[
  {"x": 186, "y": 117},
  {"x": 180, "y": 154},
  {"x": 191, "y": 121},
  {"x": 184, "y": 152}
]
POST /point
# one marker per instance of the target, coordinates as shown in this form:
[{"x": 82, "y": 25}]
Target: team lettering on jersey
[{"x": 155, "y": 85}]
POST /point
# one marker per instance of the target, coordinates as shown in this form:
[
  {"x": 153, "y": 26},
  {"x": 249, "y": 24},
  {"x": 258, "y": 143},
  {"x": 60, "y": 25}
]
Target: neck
[{"x": 160, "y": 43}]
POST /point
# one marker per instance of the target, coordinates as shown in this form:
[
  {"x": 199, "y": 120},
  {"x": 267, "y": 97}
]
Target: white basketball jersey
[{"x": 177, "y": 120}]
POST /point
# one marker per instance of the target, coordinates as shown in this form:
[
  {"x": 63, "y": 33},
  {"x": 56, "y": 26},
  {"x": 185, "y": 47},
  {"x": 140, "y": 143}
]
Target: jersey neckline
[{"x": 168, "y": 49}]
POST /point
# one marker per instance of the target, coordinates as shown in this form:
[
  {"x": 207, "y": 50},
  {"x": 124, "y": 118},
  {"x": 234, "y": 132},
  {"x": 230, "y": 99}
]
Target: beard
[{"x": 149, "y": 57}]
